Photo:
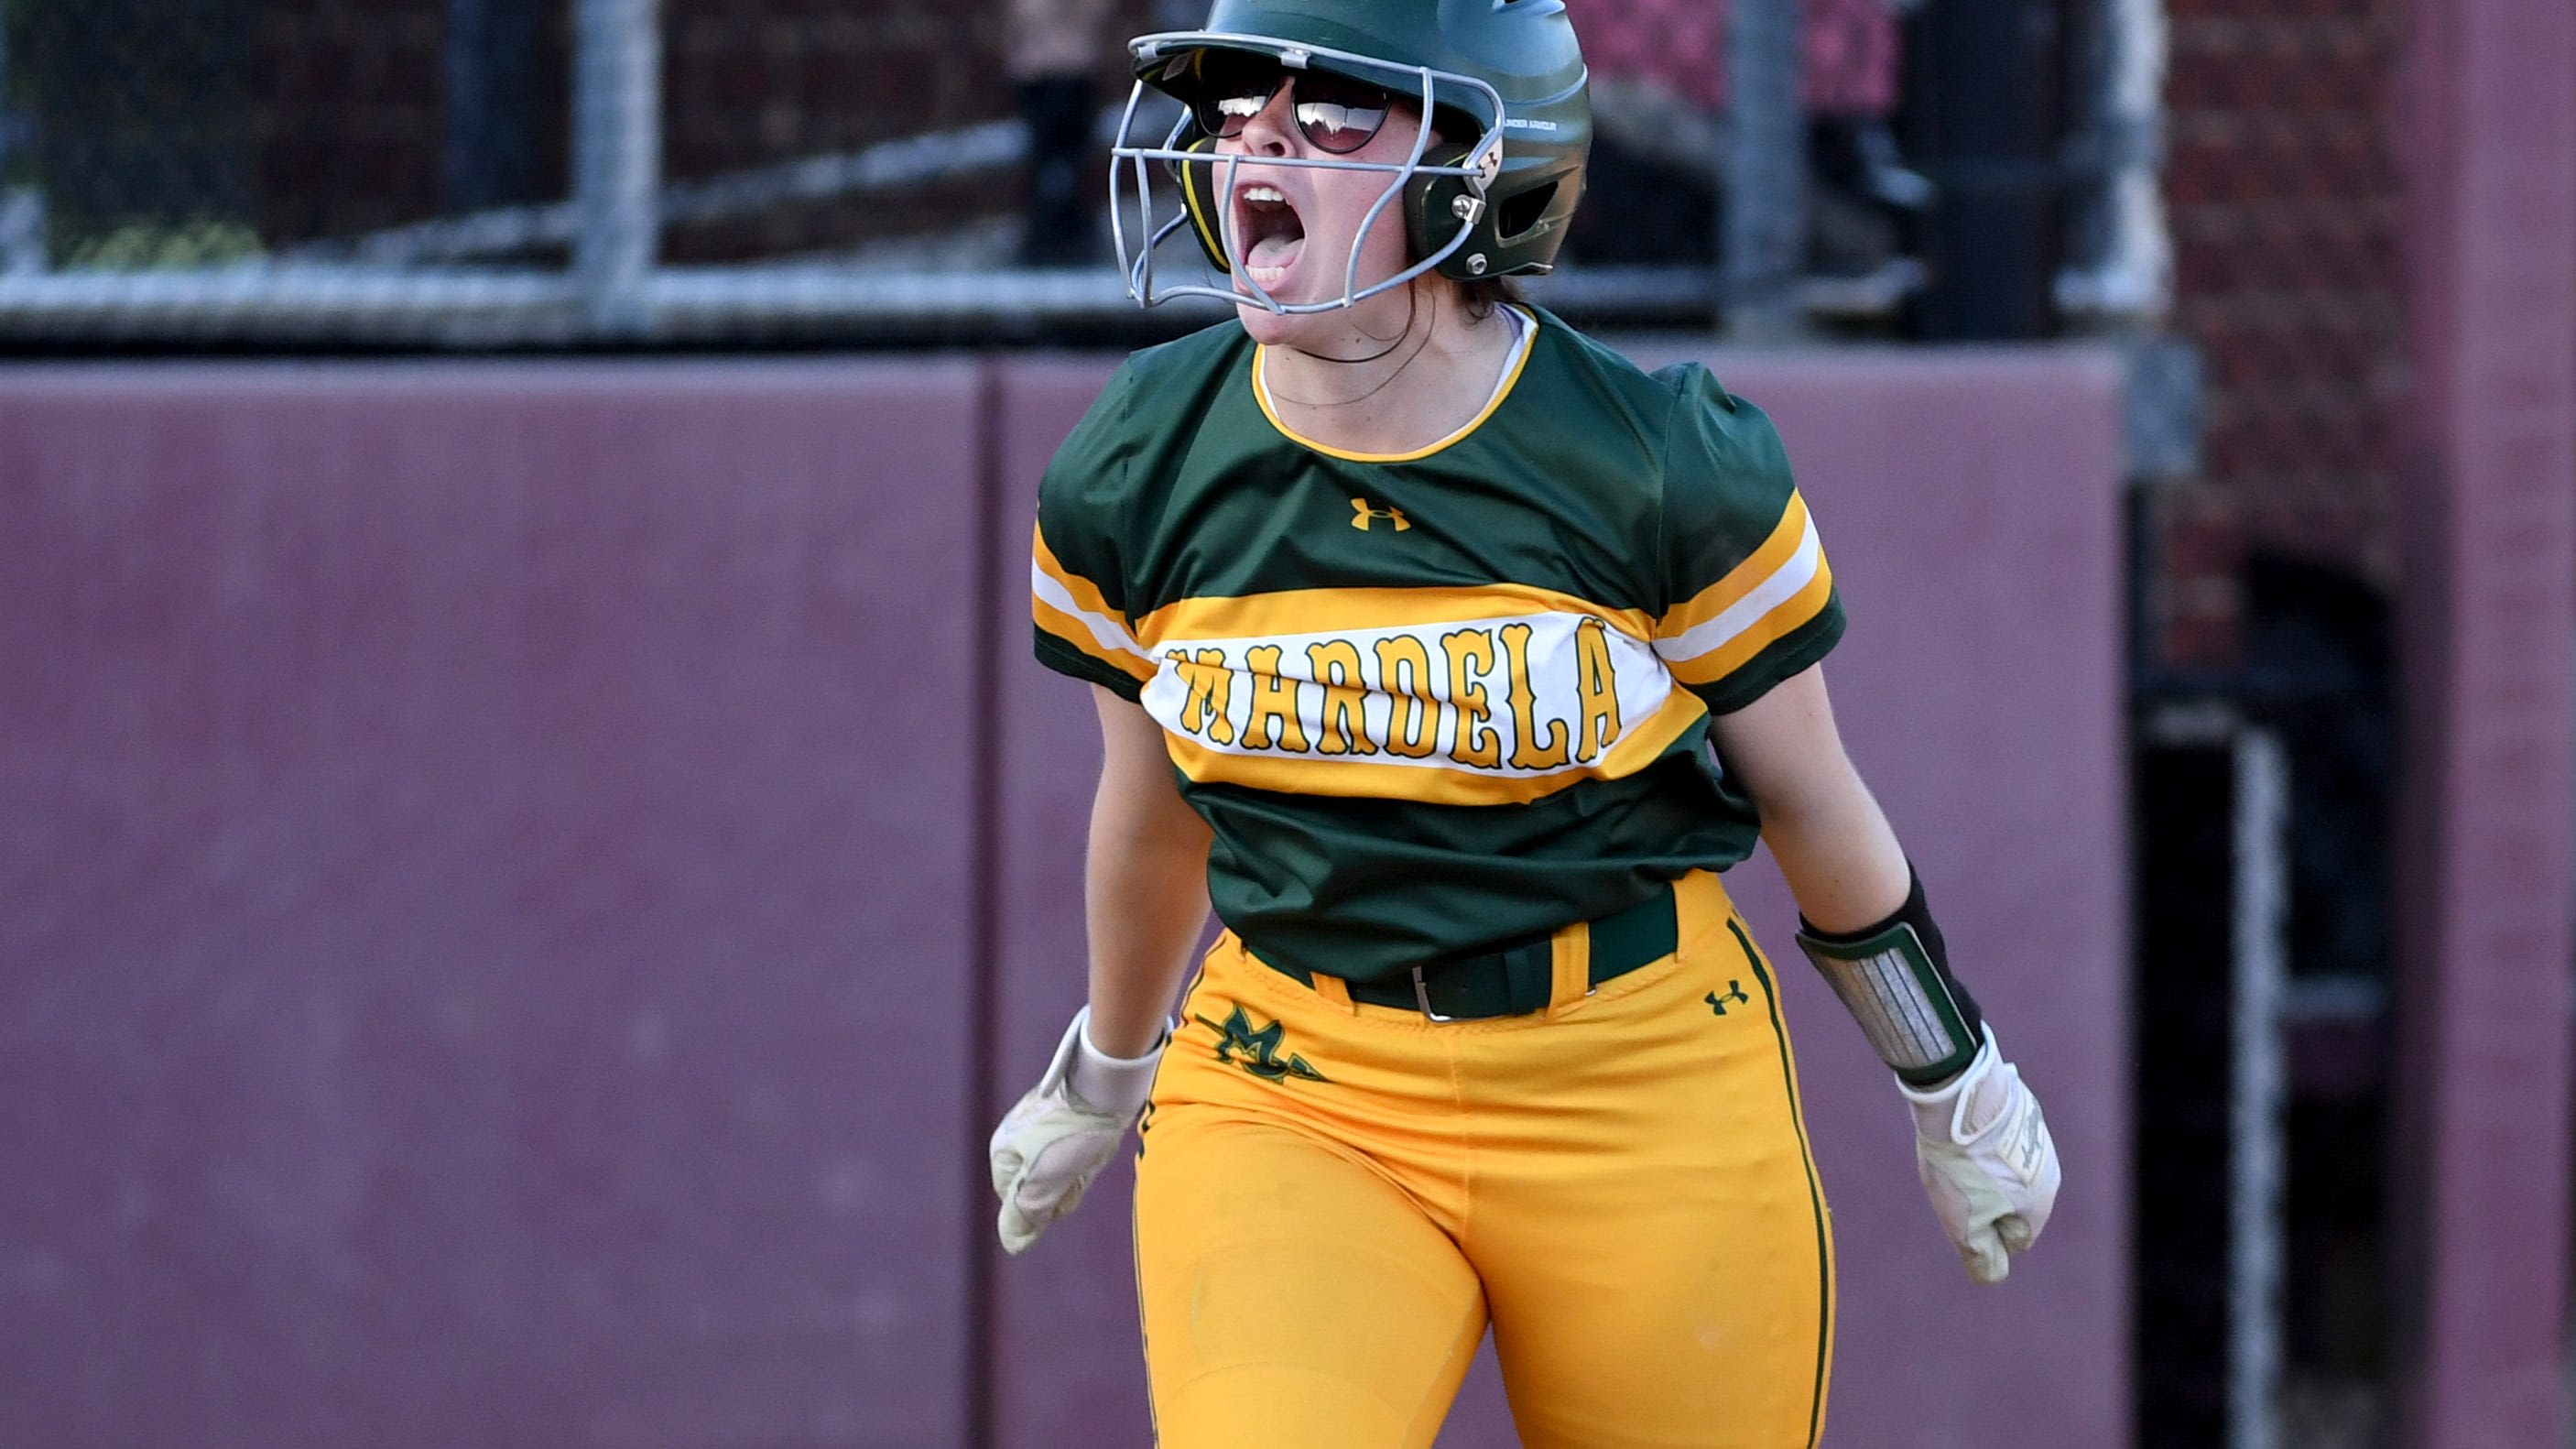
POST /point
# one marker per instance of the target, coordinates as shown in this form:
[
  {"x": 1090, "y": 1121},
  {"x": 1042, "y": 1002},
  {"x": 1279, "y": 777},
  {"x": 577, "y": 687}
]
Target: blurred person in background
[{"x": 1053, "y": 52}]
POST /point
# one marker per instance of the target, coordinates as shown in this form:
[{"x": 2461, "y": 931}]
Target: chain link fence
[
  {"x": 494, "y": 172},
  {"x": 558, "y": 172}
]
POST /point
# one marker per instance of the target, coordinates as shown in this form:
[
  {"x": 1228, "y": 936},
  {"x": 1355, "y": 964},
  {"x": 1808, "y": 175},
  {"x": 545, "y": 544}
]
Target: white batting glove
[
  {"x": 1983, "y": 1151},
  {"x": 1056, "y": 1139}
]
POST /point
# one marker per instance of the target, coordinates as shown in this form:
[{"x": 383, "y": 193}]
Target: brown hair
[{"x": 1484, "y": 294}]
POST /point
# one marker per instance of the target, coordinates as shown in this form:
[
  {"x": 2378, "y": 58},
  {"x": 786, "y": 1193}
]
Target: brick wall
[{"x": 2283, "y": 201}]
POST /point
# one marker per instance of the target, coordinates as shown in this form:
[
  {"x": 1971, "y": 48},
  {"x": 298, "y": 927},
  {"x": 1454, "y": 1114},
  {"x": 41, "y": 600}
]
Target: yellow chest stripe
[
  {"x": 1429, "y": 781},
  {"x": 1494, "y": 707}
]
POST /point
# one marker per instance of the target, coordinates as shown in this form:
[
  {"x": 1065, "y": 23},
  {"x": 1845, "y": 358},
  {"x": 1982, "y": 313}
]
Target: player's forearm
[
  {"x": 1838, "y": 854},
  {"x": 1145, "y": 893},
  {"x": 1832, "y": 842},
  {"x": 1144, "y": 881},
  {"x": 1865, "y": 923}
]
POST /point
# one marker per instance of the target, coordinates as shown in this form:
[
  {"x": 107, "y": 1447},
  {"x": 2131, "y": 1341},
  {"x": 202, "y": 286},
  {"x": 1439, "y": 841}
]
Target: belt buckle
[{"x": 1422, "y": 998}]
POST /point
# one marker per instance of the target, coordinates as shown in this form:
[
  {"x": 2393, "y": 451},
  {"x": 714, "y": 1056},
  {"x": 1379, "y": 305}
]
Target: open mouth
[{"x": 1268, "y": 232}]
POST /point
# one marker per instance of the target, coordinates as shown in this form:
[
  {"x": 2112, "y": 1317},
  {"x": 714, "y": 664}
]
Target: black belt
[{"x": 1519, "y": 978}]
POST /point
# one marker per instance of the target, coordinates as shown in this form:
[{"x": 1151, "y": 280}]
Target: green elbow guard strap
[{"x": 1895, "y": 980}]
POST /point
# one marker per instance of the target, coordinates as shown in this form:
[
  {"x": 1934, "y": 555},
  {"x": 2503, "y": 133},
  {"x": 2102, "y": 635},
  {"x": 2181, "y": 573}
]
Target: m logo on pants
[{"x": 1257, "y": 1052}]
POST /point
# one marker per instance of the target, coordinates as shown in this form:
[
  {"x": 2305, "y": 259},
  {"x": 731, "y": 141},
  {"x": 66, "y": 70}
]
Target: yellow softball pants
[{"x": 1334, "y": 1199}]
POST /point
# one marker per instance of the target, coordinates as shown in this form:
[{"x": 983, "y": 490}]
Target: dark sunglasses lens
[
  {"x": 1338, "y": 114},
  {"x": 1232, "y": 89}
]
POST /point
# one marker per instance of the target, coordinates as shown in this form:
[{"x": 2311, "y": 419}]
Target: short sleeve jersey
[{"x": 1436, "y": 702}]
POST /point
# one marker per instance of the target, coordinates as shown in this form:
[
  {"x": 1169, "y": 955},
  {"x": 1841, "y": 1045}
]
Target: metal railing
[{"x": 591, "y": 269}]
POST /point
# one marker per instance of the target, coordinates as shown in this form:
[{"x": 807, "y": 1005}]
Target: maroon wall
[
  {"x": 1063, "y": 1339},
  {"x": 2479, "y": 1175},
  {"x": 502, "y": 865},
  {"x": 481, "y": 883}
]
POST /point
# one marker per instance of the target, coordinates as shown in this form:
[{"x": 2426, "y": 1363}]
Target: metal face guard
[{"x": 1477, "y": 168}]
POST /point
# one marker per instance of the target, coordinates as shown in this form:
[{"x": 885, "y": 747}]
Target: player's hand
[
  {"x": 1054, "y": 1141},
  {"x": 1986, "y": 1160}
]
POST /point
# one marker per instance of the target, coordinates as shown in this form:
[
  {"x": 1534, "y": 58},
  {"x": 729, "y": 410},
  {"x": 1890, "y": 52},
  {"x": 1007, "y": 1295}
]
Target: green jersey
[{"x": 1440, "y": 701}]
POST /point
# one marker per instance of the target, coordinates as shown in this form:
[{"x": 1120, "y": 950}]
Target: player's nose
[{"x": 1270, "y": 130}]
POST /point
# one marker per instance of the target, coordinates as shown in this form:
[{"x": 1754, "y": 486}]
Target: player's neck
[{"x": 1431, "y": 377}]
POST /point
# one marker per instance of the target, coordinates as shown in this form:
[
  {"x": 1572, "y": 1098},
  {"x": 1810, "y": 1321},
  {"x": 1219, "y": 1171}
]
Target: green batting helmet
[{"x": 1502, "y": 82}]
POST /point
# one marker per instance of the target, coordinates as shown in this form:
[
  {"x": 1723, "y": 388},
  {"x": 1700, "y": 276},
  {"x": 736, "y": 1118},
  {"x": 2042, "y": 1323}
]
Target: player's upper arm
[
  {"x": 1783, "y": 748},
  {"x": 1077, "y": 585},
  {"x": 1748, "y": 597},
  {"x": 1140, "y": 798}
]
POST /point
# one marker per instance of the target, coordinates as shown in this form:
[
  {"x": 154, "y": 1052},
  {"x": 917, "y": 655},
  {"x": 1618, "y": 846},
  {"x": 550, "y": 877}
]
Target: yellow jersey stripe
[
  {"x": 1067, "y": 606},
  {"x": 1787, "y": 580},
  {"x": 1080, "y": 633},
  {"x": 1080, "y": 593},
  {"x": 1511, "y": 377},
  {"x": 1775, "y": 624},
  {"x": 1793, "y": 531},
  {"x": 1324, "y": 611}
]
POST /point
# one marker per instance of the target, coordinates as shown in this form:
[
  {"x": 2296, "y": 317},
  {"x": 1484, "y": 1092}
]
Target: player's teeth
[{"x": 1263, "y": 193}]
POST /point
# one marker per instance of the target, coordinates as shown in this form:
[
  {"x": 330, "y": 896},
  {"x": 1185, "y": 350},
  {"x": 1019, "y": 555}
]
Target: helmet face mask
[
  {"x": 1498, "y": 86},
  {"x": 1207, "y": 178}
]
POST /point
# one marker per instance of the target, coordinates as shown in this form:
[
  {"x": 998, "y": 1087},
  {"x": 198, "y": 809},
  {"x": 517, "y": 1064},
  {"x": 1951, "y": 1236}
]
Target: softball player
[{"x": 1451, "y": 659}]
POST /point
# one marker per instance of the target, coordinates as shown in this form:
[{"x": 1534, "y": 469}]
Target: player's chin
[{"x": 1273, "y": 329}]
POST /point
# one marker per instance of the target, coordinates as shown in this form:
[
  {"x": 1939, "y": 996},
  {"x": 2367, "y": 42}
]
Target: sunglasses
[{"x": 1334, "y": 113}]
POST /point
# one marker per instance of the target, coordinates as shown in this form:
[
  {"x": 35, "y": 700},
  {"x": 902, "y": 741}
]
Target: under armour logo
[
  {"x": 1734, "y": 992},
  {"x": 1361, "y": 513}
]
